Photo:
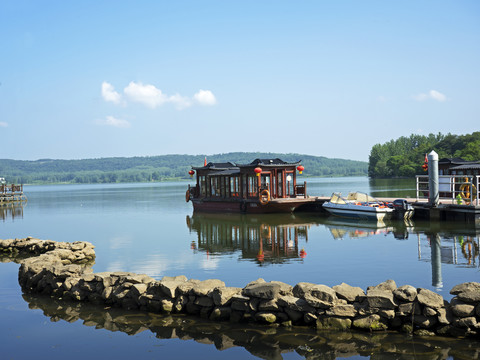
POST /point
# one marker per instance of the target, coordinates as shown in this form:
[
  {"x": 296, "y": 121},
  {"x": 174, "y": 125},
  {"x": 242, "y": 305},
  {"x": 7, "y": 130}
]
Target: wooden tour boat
[{"x": 263, "y": 186}]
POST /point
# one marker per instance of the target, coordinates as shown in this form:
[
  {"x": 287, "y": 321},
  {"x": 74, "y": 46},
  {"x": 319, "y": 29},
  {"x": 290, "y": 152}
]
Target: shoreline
[{"x": 63, "y": 270}]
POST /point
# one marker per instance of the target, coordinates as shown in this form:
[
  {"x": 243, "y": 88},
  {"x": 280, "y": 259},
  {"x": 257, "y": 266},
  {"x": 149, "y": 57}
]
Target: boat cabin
[
  {"x": 262, "y": 181},
  {"x": 228, "y": 180}
]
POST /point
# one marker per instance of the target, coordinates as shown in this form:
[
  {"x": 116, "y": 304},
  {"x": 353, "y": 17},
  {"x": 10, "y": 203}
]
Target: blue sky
[{"x": 91, "y": 79}]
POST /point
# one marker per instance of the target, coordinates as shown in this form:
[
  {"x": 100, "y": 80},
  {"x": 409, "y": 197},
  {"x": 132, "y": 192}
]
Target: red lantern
[
  {"x": 191, "y": 172},
  {"x": 258, "y": 171},
  {"x": 300, "y": 168}
]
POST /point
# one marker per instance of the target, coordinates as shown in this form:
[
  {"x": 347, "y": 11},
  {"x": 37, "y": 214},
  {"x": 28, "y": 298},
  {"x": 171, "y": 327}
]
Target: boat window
[
  {"x": 203, "y": 185},
  {"x": 265, "y": 179},
  {"x": 290, "y": 183},
  {"x": 235, "y": 186},
  {"x": 215, "y": 185},
  {"x": 252, "y": 185},
  {"x": 280, "y": 184}
]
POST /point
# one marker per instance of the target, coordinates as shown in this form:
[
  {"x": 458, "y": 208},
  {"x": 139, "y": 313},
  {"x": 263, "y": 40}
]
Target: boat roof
[
  {"x": 216, "y": 166},
  {"x": 257, "y": 162},
  {"x": 269, "y": 162},
  {"x": 474, "y": 165}
]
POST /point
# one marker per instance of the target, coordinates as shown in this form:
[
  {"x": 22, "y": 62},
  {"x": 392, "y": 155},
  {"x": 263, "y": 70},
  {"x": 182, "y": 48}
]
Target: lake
[{"x": 150, "y": 229}]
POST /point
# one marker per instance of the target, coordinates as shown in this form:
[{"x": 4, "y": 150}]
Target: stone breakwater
[{"x": 62, "y": 270}]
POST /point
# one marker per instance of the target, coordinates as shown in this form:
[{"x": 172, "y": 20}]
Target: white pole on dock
[{"x": 433, "y": 178}]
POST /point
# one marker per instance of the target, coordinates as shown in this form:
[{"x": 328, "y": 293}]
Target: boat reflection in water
[
  {"x": 344, "y": 228},
  {"x": 11, "y": 210},
  {"x": 264, "y": 238}
]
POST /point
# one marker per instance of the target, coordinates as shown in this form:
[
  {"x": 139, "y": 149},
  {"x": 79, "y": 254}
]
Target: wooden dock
[
  {"x": 11, "y": 194},
  {"x": 446, "y": 210}
]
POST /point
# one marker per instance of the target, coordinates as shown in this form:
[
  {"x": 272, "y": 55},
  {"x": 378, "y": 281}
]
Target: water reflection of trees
[
  {"x": 261, "y": 341},
  {"x": 261, "y": 238},
  {"x": 11, "y": 210}
]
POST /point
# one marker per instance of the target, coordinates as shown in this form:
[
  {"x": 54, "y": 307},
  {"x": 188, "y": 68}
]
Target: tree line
[
  {"x": 156, "y": 168},
  {"x": 405, "y": 156}
]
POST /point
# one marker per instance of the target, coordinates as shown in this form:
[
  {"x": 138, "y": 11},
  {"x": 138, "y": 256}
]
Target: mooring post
[{"x": 433, "y": 178}]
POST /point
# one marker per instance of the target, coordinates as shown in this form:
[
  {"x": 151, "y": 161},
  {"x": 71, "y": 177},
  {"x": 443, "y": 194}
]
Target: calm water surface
[{"x": 149, "y": 228}]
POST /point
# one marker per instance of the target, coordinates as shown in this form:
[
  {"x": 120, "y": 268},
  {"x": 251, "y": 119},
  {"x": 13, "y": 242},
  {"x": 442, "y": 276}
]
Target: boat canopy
[
  {"x": 360, "y": 197},
  {"x": 337, "y": 199}
]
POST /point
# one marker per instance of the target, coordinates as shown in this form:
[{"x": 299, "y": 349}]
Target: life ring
[
  {"x": 264, "y": 197},
  {"x": 465, "y": 191},
  {"x": 187, "y": 196}
]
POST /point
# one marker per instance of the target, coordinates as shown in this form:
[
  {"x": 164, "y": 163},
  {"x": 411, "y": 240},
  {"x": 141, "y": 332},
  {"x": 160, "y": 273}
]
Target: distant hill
[{"x": 156, "y": 168}]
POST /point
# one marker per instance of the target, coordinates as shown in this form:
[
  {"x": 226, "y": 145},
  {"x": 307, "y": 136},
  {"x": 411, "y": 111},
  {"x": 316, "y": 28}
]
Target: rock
[
  {"x": 382, "y": 299},
  {"x": 138, "y": 289},
  {"x": 445, "y": 316},
  {"x": 294, "y": 315},
  {"x": 467, "y": 322},
  {"x": 268, "y": 305},
  {"x": 240, "y": 303},
  {"x": 334, "y": 323},
  {"x": 184, "y": 288},
  {"x": 166, "y": 305},
  {"x": 467, "y": 286},
  {"x": 405, "y": 293},
  {"x": 429, "y": 298},
  {"x": 347, "y": 292},
  {"x": 262, "y": 290},
  {"x": 428, "y": 311},
  {"x": 221, "y": 313},
  {"x": 309, "y": 318},
  {"x": 266, "y": 318},
  {"x": 463, "y": 310},
  {"x": 295, "y": 303},
  {"x": 203, "y": 288},
  {"x": 470, "y": 296},
  {"x": 204, "y": 301},
  {"x": 425, "y": 322},
  {"x": 301, "y": 289},
  {"x": 318, "y": 296},
  {"x": 223, "y": 295},
  {"x": 169, "y": 287},
  {"x": 423, "y": 332},
  {"x": 387, "y": 314},
  {"x": 371, "y": 322},
  {"x": 342, "y": 311},
  {"x": 285, "y": 289},
  {"x": 388, "y": 285}
]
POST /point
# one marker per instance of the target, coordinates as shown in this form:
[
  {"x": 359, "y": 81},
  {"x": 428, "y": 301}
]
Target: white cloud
[
  {"x": 109, "y": 93},
  {"x": 3, "y": 124},
  {"x": 435, "y": 95},
  {"x": 153, "y": 97},
  {"x": 146, "y": 94},
  {"x": 179, "y": 101},
  {"x": 112, "y": 121},
  {"x": 431, "y": 95},
  {"x": 205, "y": 97}
]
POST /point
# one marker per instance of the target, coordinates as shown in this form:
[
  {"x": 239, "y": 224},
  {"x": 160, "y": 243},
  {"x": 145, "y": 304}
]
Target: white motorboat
[{"x": 359, "y": 206}]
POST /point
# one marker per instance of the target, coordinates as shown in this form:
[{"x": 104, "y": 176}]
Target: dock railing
[{"x": 459, "y": 189}]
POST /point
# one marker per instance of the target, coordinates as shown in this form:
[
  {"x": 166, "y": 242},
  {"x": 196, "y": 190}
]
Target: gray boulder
[
  {"x": 389, "y": 285},
  {"x": 382, "y": 299},
  {"x": 405, "y": 293},
  {"x": 347, "y": 292},
  {"x": 429, "y": 298},
  {"x": 262, "y": 290}
]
